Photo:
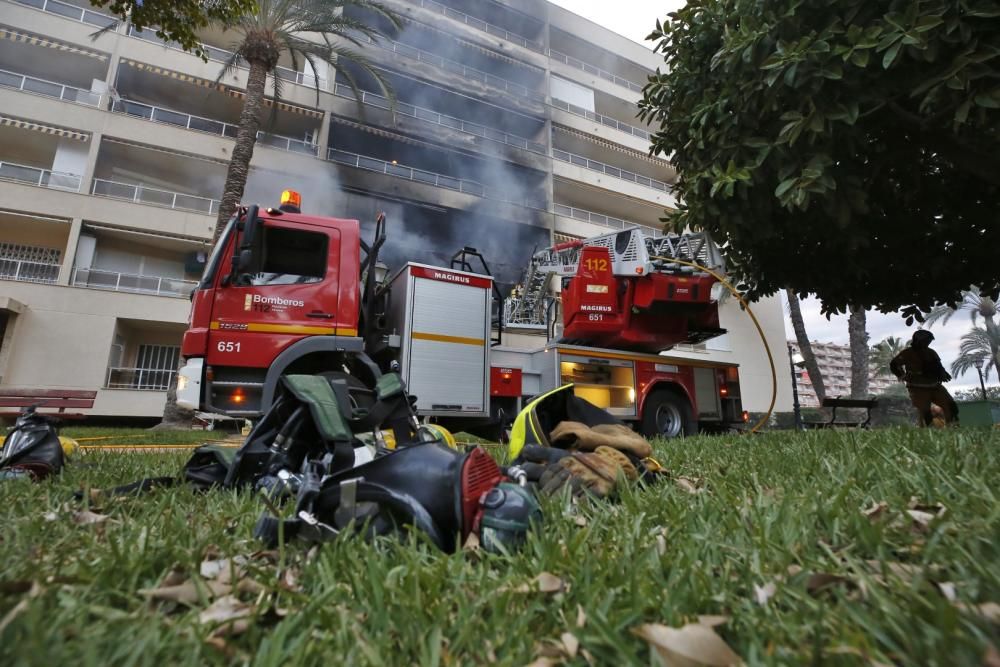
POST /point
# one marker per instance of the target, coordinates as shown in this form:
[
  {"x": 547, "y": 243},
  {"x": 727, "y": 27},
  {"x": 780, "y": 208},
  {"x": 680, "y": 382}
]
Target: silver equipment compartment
[{"x": 443, "y": 318}]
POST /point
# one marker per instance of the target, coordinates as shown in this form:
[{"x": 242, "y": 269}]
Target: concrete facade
[
  {"x": 113, "y": 153},
  {"x": 835, "y": 365}
]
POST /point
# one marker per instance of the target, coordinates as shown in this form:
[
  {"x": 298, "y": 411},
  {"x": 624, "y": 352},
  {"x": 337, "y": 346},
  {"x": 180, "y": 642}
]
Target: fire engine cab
[{"x": 285, "y": 292}]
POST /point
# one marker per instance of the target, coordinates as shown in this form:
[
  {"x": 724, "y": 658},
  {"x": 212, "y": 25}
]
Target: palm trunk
[
  {"x": 856, "y": 331},
  {"x": 799, "y": 326},
  {"x": 246, "y": 137},
  {"x": 174, "y": 416}
]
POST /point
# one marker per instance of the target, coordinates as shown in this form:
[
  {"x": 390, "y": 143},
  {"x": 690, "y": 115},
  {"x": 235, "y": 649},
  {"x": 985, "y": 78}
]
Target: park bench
[
  {"x": 47, "y": 399},
  {"x": 845, "y": 403}
]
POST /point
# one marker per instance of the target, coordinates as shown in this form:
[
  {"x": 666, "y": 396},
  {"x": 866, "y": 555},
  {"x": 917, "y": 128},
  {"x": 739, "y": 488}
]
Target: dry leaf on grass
[
  {"x": 188, "y": 592},
  {"x": 947, "y": 589},
  {"x": 988, "y": 611},
  {"x": 471, "y": 543},
  {"x": 545, "y": 582},
  {"x": 687, "y": 646},
  {"x": 581, "y": 616},
  {"x": 711, "y": 620},
  {"x": 580, "y": 520},
  {"x": 875, "y": 512},
  {"x": 50, "y": 516},
  {"x": 225, "y": 609},
  {"x": 764, "y": 593},
  {"x": 688, "y": 485},
  {"x": 570, "y": 644},
  {"x": 87, "y": 518}
]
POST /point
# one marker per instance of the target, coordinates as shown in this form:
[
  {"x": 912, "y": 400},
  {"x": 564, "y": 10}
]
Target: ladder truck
[{"x": 285, "y": 292}]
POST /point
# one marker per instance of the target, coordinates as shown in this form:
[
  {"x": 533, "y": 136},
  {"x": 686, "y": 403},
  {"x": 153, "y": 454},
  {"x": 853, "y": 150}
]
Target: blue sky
[{"x": 635, "y": 19}]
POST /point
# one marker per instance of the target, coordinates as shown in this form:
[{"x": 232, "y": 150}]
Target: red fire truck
[{"x": 284, "y": 292}]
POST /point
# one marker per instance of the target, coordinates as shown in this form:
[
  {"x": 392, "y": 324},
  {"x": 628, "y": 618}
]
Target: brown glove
[
  {"x": 592, "y": 473},
  {"x": 574, "y": 435}
]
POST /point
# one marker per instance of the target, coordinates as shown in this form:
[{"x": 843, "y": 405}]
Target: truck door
[{"x": 290, "y": 292}]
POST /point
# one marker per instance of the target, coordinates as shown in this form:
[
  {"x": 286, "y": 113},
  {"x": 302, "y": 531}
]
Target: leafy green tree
[
  {"x": 884, "y": 352},
  {"x": 177, "y": 20},
  {"x": 845, "y": 149},
  {"x": 314, "y": 31}
]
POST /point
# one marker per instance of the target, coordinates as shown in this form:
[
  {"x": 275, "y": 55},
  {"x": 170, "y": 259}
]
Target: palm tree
[
  {"x": 312, "y": 31},
  {"x": 857, "y": 333},
  {"x": 979, "y": 344},
  {"x": 885, "y": 351},
  {"x": 805, "y": 347},
  {"x": 978, "y": 306}
]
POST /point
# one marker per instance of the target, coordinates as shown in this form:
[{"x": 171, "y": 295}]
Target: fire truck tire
[{"x": 668, "y": 415}]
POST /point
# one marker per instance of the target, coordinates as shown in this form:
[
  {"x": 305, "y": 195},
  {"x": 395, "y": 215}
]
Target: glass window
[{"x": 291, "y": 256}]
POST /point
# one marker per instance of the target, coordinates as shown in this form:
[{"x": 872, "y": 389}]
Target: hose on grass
[{"x": 760, "y": 331}]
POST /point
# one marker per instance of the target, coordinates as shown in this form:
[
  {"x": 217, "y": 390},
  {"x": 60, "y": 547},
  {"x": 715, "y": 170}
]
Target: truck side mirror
[{"x": 245, "y": 261}]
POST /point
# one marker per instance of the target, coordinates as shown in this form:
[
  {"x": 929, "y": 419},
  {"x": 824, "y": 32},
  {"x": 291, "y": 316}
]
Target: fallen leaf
[
  {"x": 581, "y": 616},
  {"x": 661, "y": 545},
  {"x": 471, "y": 543},
  {"x": 50, "y": 516},
  {"x": 290, "y": 579},
  {"x": 543, "y": 583},
  {"x": 764, "y": 593},
  {"x": 580, "y": 520},
  {"x": 947, "y": 589},
  {"x": 687, "y": 485},
  {"x": 174, "y": 577},
  {"x": 211, "y": 569},
  {"x": 692, "y": 644},
  {"x": 188, "y": 592},
  {"x": 570, "y": 644},
  {"x": 921, "y": 520},
  {"x": 988, "y": 611},
  {"x": 712, "y": 621},
  {"x": 875, "y": 512},
  {"x": 226, "y": 608},
  {"x": 87, "y": 518}
]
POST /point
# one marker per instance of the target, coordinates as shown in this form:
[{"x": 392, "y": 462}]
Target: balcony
[
  {"x": 593, "y": 69},
  {"x": 141, "y": 194},
  {"x": 30, "y": 84},
  {"x": 45, "y": 178},
  {"x": 72, "y": 12},
  {"x": 116, "y": 281},
  {"x": 602, "y": 119},
  {"x": 139, "y": 379},
  {"x": 207, "y": 125},
  {"x": 439, "y": 180},
  {"x": 603, "y": 220},
  {"x": 480, "y": 24},
  {"x": 29, "y": 272},
  {"x": 594, "y": 165},
  {"x": 444, "y": 120}
]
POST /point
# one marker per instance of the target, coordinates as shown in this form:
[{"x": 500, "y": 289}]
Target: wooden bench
[
  {"x": 847, "y": 403},
  {"x": 58, "y": 399}
]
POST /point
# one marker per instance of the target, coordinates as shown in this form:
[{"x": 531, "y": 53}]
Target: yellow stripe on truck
[
  {"x": 441, "y": 338},
  {"x": 291, "y": 329}
]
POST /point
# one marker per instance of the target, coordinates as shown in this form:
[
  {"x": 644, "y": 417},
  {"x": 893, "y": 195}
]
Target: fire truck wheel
[{"x": 667, "y": 415}]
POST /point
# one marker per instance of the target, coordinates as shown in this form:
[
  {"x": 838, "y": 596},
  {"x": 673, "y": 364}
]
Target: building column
[
  {"x": 69, "y": 256},
  {"x": 324, "y": 135},
  {"x": 88, "y": 169}
]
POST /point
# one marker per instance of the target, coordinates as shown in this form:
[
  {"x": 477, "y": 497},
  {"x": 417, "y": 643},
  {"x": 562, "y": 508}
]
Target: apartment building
[
  {"x": 835, "y": 364},
  {"x": 515, "y": 126}
]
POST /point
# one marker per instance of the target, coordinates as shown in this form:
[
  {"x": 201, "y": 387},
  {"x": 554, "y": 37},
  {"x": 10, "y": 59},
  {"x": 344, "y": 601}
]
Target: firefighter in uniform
[{"x": 920, "y": 368}]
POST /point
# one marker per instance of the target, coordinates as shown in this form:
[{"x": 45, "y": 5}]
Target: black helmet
[
  {"x": 922, "y": 337},
  {"x": 508, "y": 512}
]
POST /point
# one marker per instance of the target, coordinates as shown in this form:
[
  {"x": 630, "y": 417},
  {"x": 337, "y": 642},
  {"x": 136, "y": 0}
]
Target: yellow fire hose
[{"x": 760, "y": 331}]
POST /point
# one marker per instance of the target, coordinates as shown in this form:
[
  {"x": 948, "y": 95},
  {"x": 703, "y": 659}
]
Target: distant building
[{"x": 835, "y": 365}]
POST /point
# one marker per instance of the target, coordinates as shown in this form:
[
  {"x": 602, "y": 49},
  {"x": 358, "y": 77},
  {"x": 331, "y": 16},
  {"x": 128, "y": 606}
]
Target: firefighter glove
[{"x": 588, "y": 474}]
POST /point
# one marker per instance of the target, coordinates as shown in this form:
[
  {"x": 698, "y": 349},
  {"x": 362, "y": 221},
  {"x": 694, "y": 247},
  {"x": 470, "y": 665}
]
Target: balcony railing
[
  {"x": 142, "y": 379},
  {"x": 431, "y": 178},
  {"x": 479, "y": 24},
  {"x": 140, "y": 194},
  {"x": 444, "y": 120},
  {"x": 223, "y": 56},
  {"x": 199, "y": 124},
  {"x": 452, "y": 66},
  {"x": 45, "y": 178},
  {"x": 130, "y": 282},
  {"x": 28, "y": 272},
  {"x": 599, "y": 219},
  {"x": 71, "y": 12},
  {"x": 603, "y": 120},
  {"x": 594, "y": 165},
  {"x": 30, "y": 84},
  {"x": 592, "y": 69}
]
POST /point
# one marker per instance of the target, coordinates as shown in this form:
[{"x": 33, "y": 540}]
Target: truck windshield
[{"x": 212, "y": 266}]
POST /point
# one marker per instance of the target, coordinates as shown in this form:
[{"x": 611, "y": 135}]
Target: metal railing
[
  {"x": 431, "y": 178},
  {"x": 28, "y": 272},
  {"x": 71, "y": 12},
  {"x": 444, "y": 120},
  {"x": 129, "y": 282},
  {"x": 602, "y": 119},
  {"x": 222, "y": 56},
  {"x": 142, "y": 379},
  {"x": 593, "y": 69},
  {"x": 45, "y": 178},
  {"x": 479, "y": 24},
  {"x": 200, "y": 124},
  {"x": 452, "y": 66},
  {"x": 30, "y": 84},
  {"x": 141, "y": 194},
  {"x": 594, "y": 165},
  {"x": 599, "y": 219}
]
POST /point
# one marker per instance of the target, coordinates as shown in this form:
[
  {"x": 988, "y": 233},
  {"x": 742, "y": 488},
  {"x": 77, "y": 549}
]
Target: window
[
  {"x": 291, "y": 256},
  {"x": 155, "y": 365}
]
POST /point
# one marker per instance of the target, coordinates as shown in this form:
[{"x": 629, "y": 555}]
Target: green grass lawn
[{"x": 774, "y": 512}]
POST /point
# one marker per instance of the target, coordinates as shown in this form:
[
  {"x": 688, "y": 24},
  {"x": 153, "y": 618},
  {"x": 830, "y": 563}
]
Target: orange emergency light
[{"x": 291, "y": 201}]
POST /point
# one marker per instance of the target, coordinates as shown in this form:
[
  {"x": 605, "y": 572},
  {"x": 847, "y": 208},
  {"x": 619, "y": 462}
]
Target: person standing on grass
[{"x": 920, "y": 368}]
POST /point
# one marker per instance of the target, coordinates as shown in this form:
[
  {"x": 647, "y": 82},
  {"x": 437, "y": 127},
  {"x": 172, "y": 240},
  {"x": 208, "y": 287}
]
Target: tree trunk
[
  {"x": 805, "y": 348},
  {"x": 858, "y": 334},
  {"x": 236, "y": 180},
  {"x": 246, "y": 137}
]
